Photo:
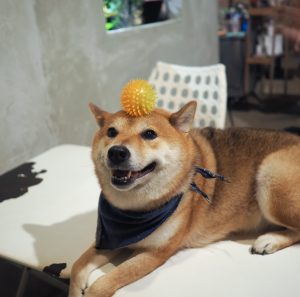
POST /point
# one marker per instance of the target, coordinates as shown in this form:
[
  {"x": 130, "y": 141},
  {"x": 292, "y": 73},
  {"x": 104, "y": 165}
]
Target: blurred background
[{"x": 56, "y": 56}]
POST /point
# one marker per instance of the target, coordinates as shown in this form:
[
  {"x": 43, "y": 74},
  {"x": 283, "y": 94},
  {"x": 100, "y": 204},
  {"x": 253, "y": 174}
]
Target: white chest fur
[{"x": 163, "y": 234}]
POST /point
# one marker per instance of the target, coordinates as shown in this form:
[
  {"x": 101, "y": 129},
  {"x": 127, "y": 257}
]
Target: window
[{"x": 127, "y": 13}]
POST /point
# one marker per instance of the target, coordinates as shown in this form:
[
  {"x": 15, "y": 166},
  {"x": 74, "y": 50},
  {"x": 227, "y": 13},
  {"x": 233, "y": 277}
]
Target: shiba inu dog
[{"x": 146, "y": 166}]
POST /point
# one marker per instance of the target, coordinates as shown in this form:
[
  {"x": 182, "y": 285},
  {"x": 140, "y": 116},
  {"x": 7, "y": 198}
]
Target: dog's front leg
[
  {"x": 139, "y": 265},
  {"x": 81, "y": 269}
]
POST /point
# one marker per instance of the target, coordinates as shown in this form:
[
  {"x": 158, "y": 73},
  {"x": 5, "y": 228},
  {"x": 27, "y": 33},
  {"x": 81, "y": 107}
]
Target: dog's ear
[
  {"x": 99, "y": 114},
  {"x": 183, "y": 119}
]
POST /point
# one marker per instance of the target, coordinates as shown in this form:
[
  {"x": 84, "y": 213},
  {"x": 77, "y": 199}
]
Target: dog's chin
[{"x": 125, "y": 180}]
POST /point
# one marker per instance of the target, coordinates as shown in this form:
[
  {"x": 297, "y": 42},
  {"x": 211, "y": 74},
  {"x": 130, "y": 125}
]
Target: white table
[{"x": 55, "y": 221}]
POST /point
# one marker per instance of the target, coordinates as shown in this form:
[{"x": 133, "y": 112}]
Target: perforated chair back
[{"x": 176, "y": 85}]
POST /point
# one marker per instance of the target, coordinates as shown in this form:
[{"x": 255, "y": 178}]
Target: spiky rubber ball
[{"x": 138, "y": 98}]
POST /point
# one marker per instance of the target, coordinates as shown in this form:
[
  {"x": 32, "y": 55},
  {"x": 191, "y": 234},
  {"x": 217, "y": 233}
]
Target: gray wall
[{"x": 55, "y": 57}]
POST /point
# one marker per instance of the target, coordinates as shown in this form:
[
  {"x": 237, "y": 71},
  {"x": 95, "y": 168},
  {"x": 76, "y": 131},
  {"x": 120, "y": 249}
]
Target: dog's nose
[{"x": 118, "y": 154}]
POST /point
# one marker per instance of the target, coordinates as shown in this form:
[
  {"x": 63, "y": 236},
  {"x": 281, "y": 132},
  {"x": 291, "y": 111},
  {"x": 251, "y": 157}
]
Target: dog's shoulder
[
  {"x": 235, "y": 146},
  {"x": 247, "y": 137}
]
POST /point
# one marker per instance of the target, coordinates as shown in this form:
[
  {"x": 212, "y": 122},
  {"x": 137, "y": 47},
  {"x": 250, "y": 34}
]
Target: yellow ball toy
[{"x": 138, "y": 98}]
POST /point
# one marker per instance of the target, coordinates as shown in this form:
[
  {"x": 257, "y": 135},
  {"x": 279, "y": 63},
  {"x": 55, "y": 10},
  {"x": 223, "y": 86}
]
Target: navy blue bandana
[{"x": 119, "y": 228}]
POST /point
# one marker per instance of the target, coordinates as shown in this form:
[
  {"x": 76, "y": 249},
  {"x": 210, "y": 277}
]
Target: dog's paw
[{"x": 266, "y": 244}]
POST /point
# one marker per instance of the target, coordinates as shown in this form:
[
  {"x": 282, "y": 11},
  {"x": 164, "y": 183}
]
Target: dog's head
[{"x": 139, "y": 159}]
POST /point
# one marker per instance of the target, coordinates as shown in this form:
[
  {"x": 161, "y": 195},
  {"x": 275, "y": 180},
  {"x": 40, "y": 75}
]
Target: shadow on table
[{"x": 63, "y": 242}]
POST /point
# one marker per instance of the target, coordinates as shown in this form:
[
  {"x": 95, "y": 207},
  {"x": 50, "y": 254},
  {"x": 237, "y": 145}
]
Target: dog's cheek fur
[
  {"x": 161, "y": 151},
  {"x": 174, "y": 169},
  {"x": 99, "y": 151},
  {"x": 169, "y": 159}
]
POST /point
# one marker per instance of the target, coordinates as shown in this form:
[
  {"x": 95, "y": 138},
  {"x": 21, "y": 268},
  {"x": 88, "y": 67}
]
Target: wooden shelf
[
  {"x": 261, "y": 14},
  {"x": 263, "y": 11},
  {"x": 256, "y": 60}
]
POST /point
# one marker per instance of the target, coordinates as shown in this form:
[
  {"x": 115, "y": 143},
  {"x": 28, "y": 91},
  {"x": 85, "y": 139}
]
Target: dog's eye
[
  {"x": 112, "y": 132},
  {"x": 149, "y": 134}
]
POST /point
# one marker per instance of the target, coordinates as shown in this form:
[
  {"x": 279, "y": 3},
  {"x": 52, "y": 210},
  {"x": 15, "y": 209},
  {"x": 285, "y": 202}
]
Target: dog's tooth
[{"x": 128, "y": 174}]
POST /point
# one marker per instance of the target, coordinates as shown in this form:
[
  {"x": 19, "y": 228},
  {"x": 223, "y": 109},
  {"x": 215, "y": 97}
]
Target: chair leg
[{"x": 23, "y": 283}]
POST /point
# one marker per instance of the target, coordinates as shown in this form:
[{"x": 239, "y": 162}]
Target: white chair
[{"x": 176, "y": 85}]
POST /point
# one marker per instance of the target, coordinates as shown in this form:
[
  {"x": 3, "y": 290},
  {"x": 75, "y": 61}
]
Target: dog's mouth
[{"x": 127, "y": 177}]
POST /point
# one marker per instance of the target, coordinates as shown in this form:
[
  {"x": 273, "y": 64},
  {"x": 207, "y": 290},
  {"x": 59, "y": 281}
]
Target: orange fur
[{"x": 263, "y": 167}]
